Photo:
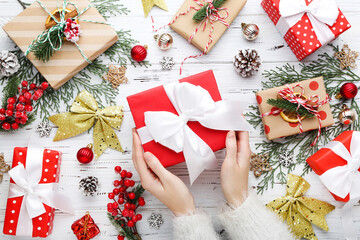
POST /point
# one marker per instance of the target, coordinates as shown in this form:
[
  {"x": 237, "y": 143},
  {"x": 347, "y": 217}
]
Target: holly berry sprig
[
  {"x": 19, "y": 106},
  {"x": 126, "y": 199}
]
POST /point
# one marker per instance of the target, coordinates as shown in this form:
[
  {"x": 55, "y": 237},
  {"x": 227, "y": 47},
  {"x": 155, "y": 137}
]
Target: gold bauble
[
  {"x": 164, "y": 41},
  {"x": 347, "y": 116},
  {"x": 250, "y": 31}
]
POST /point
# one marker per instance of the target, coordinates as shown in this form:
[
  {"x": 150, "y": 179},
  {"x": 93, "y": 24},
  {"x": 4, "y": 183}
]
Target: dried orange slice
[
  {"x": 56, "y": 14},
  {"x": 291, "y": 117}
]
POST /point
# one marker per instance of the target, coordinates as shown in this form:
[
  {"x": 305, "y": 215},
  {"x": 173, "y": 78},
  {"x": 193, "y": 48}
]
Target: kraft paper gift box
[
  {"x": 96, "y": 38},
  {"x": 185, "y": 25},
  {"x": 302, "y": 37},
  {"x": 275, "y": 126}
]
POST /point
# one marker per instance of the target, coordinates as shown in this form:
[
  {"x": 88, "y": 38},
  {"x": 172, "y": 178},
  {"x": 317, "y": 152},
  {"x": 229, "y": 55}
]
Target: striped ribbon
[
  {"x": 311, "y": 105},
  {"x": 59, "y": 27},
  {"x": 212, "y": 15}
]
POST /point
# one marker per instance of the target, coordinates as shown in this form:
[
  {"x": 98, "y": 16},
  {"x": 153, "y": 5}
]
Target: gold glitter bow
[
  {"x": 298, "y": 211},
  {"x": 83, "y": 113}
]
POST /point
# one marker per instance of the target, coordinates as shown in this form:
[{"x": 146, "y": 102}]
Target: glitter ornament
[
  {"x": 139, "y": 53},
  {"x": 89, "y": 185},
  {"x": 85, "y": 228},
  {"x": 286, "y": 158},
  {"x": 167, "y": 63},
  {"x": 164, "y": 41},
  {"x": 347, "y": 116},
  {"x": 44, "y": 129},
  {"x": 155, "y": 220},
  {"x": 85, "y": 155},
  {"x": 250, "y": 31},
  {"x": 347, "y": 91}
]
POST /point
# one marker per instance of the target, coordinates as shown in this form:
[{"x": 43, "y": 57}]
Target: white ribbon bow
[
  {"x": 322, "y": 14},
  {"x": 192, "y": 103},
  {"x": 35, "y": 194},
  {"x": 344, "y": 180}
]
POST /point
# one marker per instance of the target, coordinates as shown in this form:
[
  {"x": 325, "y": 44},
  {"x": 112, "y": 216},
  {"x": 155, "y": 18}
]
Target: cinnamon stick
[{"x": 52, "y": 23}]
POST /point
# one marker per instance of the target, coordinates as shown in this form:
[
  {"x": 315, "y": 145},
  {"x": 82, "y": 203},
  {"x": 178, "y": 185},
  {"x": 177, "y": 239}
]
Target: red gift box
[
  {"x": 301, "y": 37},
  {"x": 43, "y": 224},
  {"x": 326, "y": 159},
  {"x": 155, "y": 99}
]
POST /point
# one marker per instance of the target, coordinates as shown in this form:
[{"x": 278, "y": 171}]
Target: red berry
[
  {"x": 44, "y": 85},
  {"x": 27, "y": 95},
  {"x": 10, "y": 106},
  {"x": 133, "y": 206},
  {"x": 114, "y": 212},
  {"x": 127, "y": 206},
  {"x": 24, "y": 83},
  {"x": 24, "y": 91},
  {"x": 131, "y": 213},
  {"x": 28, "y": 108},
  {"x": 117, "y": 169},
  {"x": 130, "y": 223},
  {"x": 32, "y": 86},
  {"x": 141, "y": 203},
  {"x": 2, "y": 110},
  {"x": 9, "y": 112},
  {"x": 115, "y": 205},
  {"x": 22, "y": 121},
  {"x": 11, "y": 100},
  {"x": 134, "y": 218},
  {"x": 109, "y": 206},
  {"x": 6, "y": 126},
  {"x": 129, "y": 175},
  {"x": 17, "y": 120},
  {"x": 116, "y": 183},
  {"x": 127, "y": 183},
  {"x": 132, "y": 183},
  {"x": 14, "y": 126},
  {"x": 120, "y": 237},
  {"x": 111, "y": 196},
  {"x": 24, "y": 117},
  {"x": 131, "y": 195},
  {"x": 122, "y": 189},
  {"x": 125, "y": 212},
  {"x": 20, "y": 107},
  {"x": 123, "y": 173},
  {"x": 116, "y": 191},
  {"x": 121, "y": 200},
  {"x": 22, "y": 99},
  {"x": 2, "y": 117},
  {"x": 121, "y": 182},
  {"x": 18, "y": 114},
  {"x": 139, "y": 217}
]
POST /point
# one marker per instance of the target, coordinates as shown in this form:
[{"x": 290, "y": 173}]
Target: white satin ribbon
[
  {"x": 322, "y": 14},
  {"x": 345, "y": 179},
  {"x": 35, "y": 194},
  {"x": 192, "y": 103}
]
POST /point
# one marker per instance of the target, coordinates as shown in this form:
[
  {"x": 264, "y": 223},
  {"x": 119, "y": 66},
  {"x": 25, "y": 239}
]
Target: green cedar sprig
[
  {"x": 289, "y": 106},
  {"x": 123, "y": 230},
  {"x": 43, "y": 49},
  {"x": 201, "y": 14}
]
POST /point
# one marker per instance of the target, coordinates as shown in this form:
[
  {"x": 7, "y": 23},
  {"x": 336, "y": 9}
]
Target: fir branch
[
  {"x": 289, "y": 106},
  {"x": 44, "y": 47},
  {"x": 138, "y": 190},
  {"x": 107, "y": 8},
  {"x": 201, "y": 14},
  {"x": 23, "y": 4},
  {"x": 123, "y": 230}
]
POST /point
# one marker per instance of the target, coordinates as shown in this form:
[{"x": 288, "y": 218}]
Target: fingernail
[{"x": 231, "y": 134}]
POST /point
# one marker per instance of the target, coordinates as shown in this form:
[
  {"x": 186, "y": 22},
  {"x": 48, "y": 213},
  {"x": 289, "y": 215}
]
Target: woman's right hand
[{"x": 161, "y": 183}]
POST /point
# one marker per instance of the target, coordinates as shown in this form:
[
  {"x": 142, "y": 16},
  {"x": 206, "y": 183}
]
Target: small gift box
[
  {"x": 195, "y": 32},
  {"x": 185, "y": 121},
  {"x": 310, "y": 93},
  {"x": 96, "y": 37},
  {"x": 306, "y": 25},
  {"x": 32, "y": 195}
]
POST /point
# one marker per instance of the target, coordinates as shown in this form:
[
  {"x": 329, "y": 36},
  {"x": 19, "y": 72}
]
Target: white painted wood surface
[{"x": 207, "y": 189}]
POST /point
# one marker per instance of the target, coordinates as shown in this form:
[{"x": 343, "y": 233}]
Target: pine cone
[
  {"x": 247, "y": 62},
  {"x": 9, "y": 63},
  {"x": 89, "y": 185}
]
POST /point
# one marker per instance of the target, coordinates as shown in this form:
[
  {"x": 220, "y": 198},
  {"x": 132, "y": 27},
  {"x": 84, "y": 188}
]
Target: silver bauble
[
  {"x": 164, "y": 41},
  {"x": 250, "y": 31},
  {"x": 347, "y": 116}
]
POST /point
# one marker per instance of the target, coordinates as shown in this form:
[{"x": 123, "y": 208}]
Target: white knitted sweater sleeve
[
  {"x": 253, "y": 221},
  {"x": 197, "y": 226}
]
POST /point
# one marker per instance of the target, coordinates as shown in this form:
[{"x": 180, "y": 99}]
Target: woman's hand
[
  {"x": 235, "y": 168},
  {"x": 165, "y": 186}
]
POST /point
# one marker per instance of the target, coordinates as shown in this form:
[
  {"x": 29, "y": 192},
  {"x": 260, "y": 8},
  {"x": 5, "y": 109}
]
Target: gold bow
[
  {"x": 298, "y": 211},
  {"x": 83, "y": 113}
]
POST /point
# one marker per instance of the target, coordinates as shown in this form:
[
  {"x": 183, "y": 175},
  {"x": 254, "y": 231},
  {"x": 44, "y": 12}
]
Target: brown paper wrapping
[
  {"x": 68, "y": 61},
  {"x": 276, "y": 127},
  {"x": 185, "y": 25}
]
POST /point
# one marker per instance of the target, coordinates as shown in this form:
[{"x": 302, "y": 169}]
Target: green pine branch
[
  {"x": 201, "y": 14},
  {"x": 290, "y": 107},
  {"x": 107, "y": 8},
  {"x": 45, "y": 45}
]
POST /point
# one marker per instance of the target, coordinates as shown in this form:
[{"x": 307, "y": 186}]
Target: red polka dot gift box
[
  {"x": 306, "y": 25},
  {"x": 310, "y": 93},
  {"x": 32, "y": 193}
]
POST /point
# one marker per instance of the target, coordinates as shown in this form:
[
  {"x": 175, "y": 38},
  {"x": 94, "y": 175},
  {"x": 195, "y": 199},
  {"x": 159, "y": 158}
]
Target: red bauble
[
  {"x": 139, "y": 53},
  {"x": 85, "y": 155},
  {"x": 348, "y": 90}
]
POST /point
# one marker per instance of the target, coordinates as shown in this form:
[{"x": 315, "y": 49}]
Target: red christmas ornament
[
  {"x": 85, "y": 155},
  {"x": 139, "y": 53},
  {"x": 85, "y": 228},
  {"x": 348, "y": 91}
]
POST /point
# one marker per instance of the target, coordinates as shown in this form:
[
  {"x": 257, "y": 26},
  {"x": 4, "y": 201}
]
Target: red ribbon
[{"x": 311, "y": 105}]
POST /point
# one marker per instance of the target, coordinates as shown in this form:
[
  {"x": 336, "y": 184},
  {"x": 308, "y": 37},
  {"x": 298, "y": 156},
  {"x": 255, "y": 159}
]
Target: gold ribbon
[
  {"x": 83, "y": 113},
  {"x": 298, "y": 211}
]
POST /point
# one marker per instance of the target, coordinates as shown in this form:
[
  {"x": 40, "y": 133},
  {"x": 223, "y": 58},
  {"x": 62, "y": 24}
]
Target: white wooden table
[{"x": 207, "y": 189}]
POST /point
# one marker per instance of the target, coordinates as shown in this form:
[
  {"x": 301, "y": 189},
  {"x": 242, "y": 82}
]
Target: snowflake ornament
[
  {"x": 43, "y": 129},
  {"x": 72, "y": 30},
  {"x": 155, "y": 220},
  {"x": 286, "y": 159},
  {"x": 167, "y": 63}
]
